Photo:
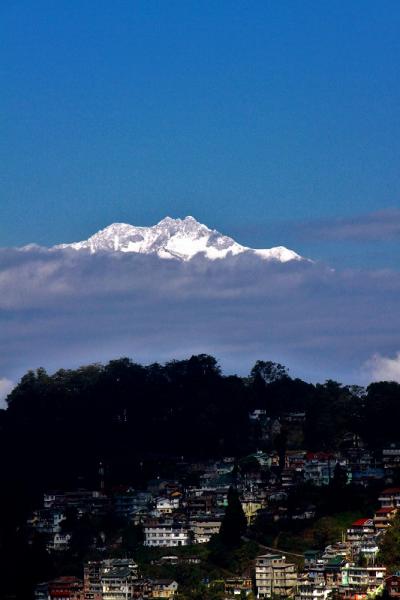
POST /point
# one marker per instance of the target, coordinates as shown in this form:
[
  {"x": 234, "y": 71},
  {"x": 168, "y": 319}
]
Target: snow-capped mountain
[{"x": 180, "y": 239}]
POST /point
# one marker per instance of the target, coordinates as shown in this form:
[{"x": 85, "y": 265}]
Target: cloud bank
[
  {"x": 63, "y": 308},
  {"x": 6, "y": 385},
  {"x": 384, "y": 368}
]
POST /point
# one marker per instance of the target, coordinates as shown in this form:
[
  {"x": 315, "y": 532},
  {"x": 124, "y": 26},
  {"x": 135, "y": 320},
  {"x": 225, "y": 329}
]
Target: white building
[
  {"x": 165, "y": 506},
  {"x": 164, "y": 588},
  {"x": 166, "y": 534},
  {"x": 58, "y": 542},
  {"x": 310, "y": 591}
]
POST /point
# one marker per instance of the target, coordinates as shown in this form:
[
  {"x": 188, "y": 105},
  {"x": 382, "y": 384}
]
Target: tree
[
  {"x": 268, "y": 371},
  {"x": 249, "y": 464},
  {"x": 389, "y": 552},
  {"x": 339, "y": 480},
  {"x": 234, "y": 523}
]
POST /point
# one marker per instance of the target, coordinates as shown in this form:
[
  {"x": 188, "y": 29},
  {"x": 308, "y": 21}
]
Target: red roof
[
  {"x": 319, "y": 456},
  {"x": 384, "y": 511},
  {"x": 393, "y": 490},
  {"x": 362, "y": 522}
]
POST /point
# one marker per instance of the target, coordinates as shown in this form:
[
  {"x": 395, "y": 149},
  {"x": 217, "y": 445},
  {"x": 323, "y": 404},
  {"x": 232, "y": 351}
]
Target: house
[
  {"x": 159, "y": 486},
  {"x": 166, "y": 506},
  {"x": 166, "y": 533},
  {"x": 109, "y": 579},
  {"x": 392, "y": 584},
  {"x": 163, "y": 588},
  {"x": 257, "y": 414},
  {"x": 369, "y": 549},
  {"x": 47, "y": 520},
  {"x": 319, "y": 467},
  {"x": 367, "y": 475},
  {"x": 360, "y": 530},
  {"x": 294, "y": 417},
  {"x": 117, "y": 577},
  {"x": 383, "y": 516},
  {"x": 126, "y": 502},
  {"x": 83, "y": 500},
  {"x": 295, "y": 459},
  {"x": 390, "y": 498},
  {"x": 274, "y": 576},
  {"x": 58, "y": 542},
  {"x": 391, "y": 460},
  {"x": 364, "y": 579},
  {"x": 333, "y": 571},
  {"x": 92, "y": 589},
  {"x": 204, "y": 528},
  {"x": 308, "y": 590},
  {"x": 199, "y": 502},
  {"x": 251, "y": 505},
  {"x": 311, "y": 558},
  {"x": 238, "y": 586},
  {"x": 67, "y": 588}
]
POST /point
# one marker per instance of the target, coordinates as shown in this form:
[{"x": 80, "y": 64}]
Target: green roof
[{"x": 336, "y": 561}]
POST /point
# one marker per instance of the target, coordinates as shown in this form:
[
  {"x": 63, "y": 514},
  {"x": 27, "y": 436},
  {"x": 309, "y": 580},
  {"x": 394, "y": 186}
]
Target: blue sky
[
  {"x": 274, "y": 122},
  {"x": 252, "y": 116}
]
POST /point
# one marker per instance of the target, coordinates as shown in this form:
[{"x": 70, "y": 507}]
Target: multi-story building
[
  {"x": 92, "y": 580},
  {"x": 362, "y": 537},
  {"x": 333, "y": 570},
  {"x": 166, "y": 533},
  {"x": 274, "y": 576},
  {"x": 307, "y": 590},
  {"x": 117, "y": 577},
  {"x": 391, "y": 460},
  {"x": 82, "y": 500},
  {"x": 47, "y": 520},
  {"x": 62, "y": 588},
  {"x": 251, "y": 505},
  {"x": 319, "y": 467},
  {"x": 360, "y": 530},
  {"x": 126, "y": 502},
  {"x": 166, "y": 506},
  {"x": 204, "y": 528},
  {"x": 390, "y": 498},
  {"x": 199, "y": 503},
  {"x": 110, "y": 579},
  {"x": 363, "y": 579},
  {"x": 383, "y": 517}
]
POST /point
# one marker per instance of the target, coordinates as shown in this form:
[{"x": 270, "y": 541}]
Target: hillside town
[
  {"x": 175, "y": 518},
  {"x": 177, "y": 481}
]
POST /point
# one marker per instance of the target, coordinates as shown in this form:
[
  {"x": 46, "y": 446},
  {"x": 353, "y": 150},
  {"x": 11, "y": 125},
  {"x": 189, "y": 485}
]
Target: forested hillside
[
  {"x": 137, "y": 420},
  {"x": 126, "y": 415}
]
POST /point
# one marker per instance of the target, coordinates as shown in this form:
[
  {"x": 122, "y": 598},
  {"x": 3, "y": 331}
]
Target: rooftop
[{"x": 362, "y": 522}]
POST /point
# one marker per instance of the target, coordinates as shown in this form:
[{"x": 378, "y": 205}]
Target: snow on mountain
[{"x": 180, "y": 239}]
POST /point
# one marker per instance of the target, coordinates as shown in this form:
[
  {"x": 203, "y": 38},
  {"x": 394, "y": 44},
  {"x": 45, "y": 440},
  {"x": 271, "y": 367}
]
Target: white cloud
[
  {"x": 384, "y": 368},
  {"x": 62, "y": 309},
  {"x": 6, "y": 385}
]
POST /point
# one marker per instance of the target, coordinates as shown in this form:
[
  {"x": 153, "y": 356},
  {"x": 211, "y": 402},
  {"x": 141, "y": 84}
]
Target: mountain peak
[{"x": 180, "y": 239}]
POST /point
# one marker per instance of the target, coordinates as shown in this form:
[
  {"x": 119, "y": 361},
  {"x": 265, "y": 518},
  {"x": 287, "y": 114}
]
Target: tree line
[{"x": 140, "y": 421}]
